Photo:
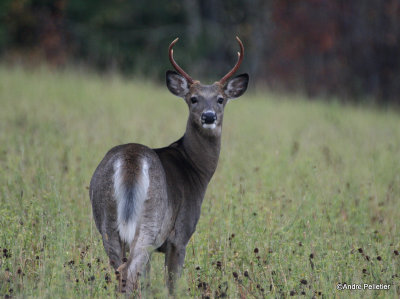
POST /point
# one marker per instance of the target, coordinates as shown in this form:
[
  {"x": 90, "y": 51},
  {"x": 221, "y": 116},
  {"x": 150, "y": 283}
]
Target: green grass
[{"x": 295, "y": 178}]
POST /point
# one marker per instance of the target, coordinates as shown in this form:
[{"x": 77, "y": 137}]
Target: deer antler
[
  {"x": 175, "y": 65},
  {"x": 235, "y": 68}
]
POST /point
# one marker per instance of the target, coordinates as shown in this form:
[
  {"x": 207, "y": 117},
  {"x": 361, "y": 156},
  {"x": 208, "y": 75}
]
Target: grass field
[{"x": 306, "y": 194}]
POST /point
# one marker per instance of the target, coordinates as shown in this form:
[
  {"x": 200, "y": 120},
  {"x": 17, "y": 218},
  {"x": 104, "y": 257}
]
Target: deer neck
[{"x": 202, "y": 150}]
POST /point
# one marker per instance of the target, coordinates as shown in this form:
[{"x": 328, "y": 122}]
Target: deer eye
[
  {"x": 193, "y": 100},
  {"x": 220, "y": 100}
]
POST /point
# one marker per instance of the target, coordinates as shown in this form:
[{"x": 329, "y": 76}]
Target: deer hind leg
[
  {"x": 131, "y": 184},
  {"x": 114, "y": 247},
  {"x": 136, "y": 267}
]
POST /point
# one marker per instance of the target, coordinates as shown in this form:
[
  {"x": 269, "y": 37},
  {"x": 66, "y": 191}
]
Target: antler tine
[
  {"x": 174, "y": 64},
  {"x": 235, "y": 68}
]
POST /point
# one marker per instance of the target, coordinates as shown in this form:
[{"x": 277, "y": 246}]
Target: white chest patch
[{"x": 130, "y": 196}]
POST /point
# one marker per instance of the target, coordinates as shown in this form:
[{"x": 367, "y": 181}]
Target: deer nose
[{"x": 208, "y": 117}]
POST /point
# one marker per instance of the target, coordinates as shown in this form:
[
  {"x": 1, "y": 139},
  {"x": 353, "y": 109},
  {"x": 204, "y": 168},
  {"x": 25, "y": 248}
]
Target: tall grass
[{"x": 306, "y": 194}]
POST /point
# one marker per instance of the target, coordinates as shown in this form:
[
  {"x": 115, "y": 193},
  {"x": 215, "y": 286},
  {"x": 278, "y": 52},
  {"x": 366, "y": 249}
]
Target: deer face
[{"x": 206, "y": 102}]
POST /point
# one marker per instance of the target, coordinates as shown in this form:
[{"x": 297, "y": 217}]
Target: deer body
[{"x": 150, "y": 199}]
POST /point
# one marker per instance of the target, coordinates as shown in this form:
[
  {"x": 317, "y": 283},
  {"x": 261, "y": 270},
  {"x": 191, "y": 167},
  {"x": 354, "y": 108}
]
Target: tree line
[{"x": 346, "y": 49}]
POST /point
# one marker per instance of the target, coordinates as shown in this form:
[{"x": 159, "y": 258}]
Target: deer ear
[
  {"x": 177, "y": 84},
  {"x": 236, "y": 86}
]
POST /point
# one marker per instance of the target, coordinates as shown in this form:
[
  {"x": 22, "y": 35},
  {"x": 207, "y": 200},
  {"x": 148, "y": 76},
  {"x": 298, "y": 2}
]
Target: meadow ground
[{"x": 306, "y": 194}]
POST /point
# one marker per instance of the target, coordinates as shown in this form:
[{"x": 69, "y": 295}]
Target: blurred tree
[
  {"x": 324, "y": 47},
  {"x": 34, "y": 28}
]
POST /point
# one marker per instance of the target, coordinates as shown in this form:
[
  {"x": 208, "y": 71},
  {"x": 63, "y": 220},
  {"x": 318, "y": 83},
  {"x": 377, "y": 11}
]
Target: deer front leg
[{"x": 174, "y": 258}]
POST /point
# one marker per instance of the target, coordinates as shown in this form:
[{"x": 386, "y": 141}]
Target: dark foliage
[{"x": 324, "y": 47}]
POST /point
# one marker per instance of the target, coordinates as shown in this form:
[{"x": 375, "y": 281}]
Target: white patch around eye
[{"x": 209, "y": 126}]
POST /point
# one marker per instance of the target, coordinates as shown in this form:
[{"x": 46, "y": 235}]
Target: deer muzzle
[{"x": 208, "y": 117}]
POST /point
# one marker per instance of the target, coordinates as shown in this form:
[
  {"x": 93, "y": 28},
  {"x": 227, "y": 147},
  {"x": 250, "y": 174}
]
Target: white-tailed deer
[{"x": 150, "y": 199}]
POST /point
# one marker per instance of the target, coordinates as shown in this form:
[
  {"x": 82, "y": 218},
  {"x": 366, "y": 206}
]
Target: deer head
[{"x": 206, "y": 102}]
